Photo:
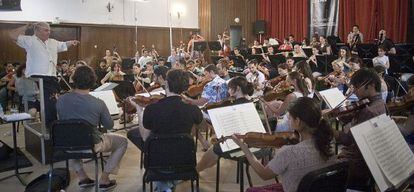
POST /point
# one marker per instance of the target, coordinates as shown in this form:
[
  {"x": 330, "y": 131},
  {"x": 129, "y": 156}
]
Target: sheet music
[
  {"x": 16, "y": 117},
  {"x": 106, "y": 86},
  {"x": 392, "y": 153},
  {"x": 333, "y": 97},
  {"x": 233, "y": 119},
  {"x": 159, "y": 92},
  {"x": 384, "y": 150},
  {"x": 109, "y": 98}
]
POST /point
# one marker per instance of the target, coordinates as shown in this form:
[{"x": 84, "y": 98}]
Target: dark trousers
[
  {"x": 135, "y": 137},
  {"x": 50, "y": 89}
]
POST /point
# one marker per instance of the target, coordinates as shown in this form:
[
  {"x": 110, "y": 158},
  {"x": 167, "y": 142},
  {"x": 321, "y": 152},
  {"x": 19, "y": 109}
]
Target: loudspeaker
[
  {"x": 10, "y": 5},
  {"x": 260, "y": 27}
]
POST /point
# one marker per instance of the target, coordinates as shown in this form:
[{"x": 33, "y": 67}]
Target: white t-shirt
[
  {"x": 381, "y": 61},
  {"x": 41, "y": 57},
  {"x": 260, "y": 79}
]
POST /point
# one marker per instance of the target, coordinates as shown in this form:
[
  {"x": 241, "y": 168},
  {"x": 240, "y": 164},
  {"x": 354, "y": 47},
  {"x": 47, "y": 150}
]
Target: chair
[
  {"x": 170, "y": 157},
  {"x": 329, "y": 179},
  {"x": 74, "y": 139}
]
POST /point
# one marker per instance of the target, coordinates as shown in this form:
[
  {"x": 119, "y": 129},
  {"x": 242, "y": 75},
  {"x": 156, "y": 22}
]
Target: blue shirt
[{"x": 215, "y": 90}]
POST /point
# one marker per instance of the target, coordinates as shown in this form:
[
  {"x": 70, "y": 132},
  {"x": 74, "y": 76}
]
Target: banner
[{"x": 324, "y": 17}]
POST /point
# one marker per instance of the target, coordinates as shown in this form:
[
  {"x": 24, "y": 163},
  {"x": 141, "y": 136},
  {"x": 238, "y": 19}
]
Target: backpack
[{"x": 60, "y": 180}]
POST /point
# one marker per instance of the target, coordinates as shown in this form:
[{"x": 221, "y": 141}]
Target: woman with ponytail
[
  {"x": 275, "y": 109},
  {"x": 292, "y": 162}
]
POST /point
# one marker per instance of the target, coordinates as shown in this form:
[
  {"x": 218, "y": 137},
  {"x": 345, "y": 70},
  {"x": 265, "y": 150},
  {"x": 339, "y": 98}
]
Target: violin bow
[{"x": 347, "y": 97}]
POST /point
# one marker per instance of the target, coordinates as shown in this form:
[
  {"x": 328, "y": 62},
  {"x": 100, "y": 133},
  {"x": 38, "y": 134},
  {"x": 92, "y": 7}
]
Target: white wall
[{"x": 154, "y": 13}]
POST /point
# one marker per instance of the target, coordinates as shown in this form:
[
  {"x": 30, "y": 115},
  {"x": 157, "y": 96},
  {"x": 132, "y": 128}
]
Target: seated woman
[
  {"x": 278, "y": 108},
  {"x": 115, "y": 74},
  {"x": 240, "y": 89},
  {"x": 27, "y": 90},
  {"x": 292, "y": 162},
  {"x": 298, "y": 51}
]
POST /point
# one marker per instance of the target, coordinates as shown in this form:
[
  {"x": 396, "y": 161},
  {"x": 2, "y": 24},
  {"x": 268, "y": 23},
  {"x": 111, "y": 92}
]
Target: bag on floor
[{"x": 60, "y": 180}]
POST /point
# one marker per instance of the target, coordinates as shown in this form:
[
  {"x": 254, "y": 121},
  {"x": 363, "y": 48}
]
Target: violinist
[
  {"x": 6, "y": 76},
  {"x": 366, "y": 85},
  {"x": 115, "y": 74},
  {"x": 256, "y": 44},
  {"x": 304, "y": 68},
  {"x": 240, "y": 89},
  {"x": 237, "y": 53},
  {"x": 168, "y": 116},
  {"x": 315, "y": 40},
  {"x": 145, "y": 58},
  {"x": 276, "y": 108},
  {"x": 100, "y": 71},
  {"x": 384, "y": 88},
  {"x": 214, "y": 91},
  {"x": 337, "y": 77},
  {"x": 292, "y": 162},
  {"x": 256, "y": 77},
  {"x": 290, "y": 63},
  {"x": 64, "y": 71},
  {"x": 223, "y": 67},
  {"x": 148, "y": 73}
]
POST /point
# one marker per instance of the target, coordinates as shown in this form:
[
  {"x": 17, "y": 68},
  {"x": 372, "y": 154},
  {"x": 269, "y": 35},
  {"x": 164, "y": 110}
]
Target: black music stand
[
  {"x": 258, "y": 58},
  {"x": 265, "y": 49},
  {"x": 200, "y": 46},
  {"x": 367, "y": 50},
  {"x": 277, "y": 59},
  {"x": 308, "y": 51},
  {"x": 214, "y": 46},
  {"x": 297, "y": 59},
  {"x": 127, "y": 63},
  {"x": 238, "y": 61},
  {"x": 258, "y": 50},
  {"x": 16, "y": 161}
]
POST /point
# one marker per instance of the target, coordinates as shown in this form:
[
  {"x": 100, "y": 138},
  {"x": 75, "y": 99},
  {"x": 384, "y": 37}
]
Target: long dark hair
[
  {"x": 309, "y": 112},
  {"x": 300, "y": 82},
  {"x": 245, "y": 86},
  {"x": 304, "y": 68}
]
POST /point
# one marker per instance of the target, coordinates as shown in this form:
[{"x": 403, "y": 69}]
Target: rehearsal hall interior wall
[{"x": 154, "y": 13}]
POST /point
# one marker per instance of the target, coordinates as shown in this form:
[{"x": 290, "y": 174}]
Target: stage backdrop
[{"x": 323, "y": 18}]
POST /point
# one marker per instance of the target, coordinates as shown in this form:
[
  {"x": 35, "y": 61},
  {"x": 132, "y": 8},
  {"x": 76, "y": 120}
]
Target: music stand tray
[
  {"x": 214, "y": 46},
  {"x": 200, "y": 46}
]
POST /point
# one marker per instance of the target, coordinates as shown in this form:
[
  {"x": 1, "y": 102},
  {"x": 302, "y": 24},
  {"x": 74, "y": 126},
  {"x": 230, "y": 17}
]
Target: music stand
[
  {"x": 200, "y": 46},
  {"x": 127, "y": 63},
  {"x": 367, "y": 50},
  {"x": 214, "y": 46},
  {"x": 265, "y": 49},
  {"x": 308, "y": 51},
  {"x": 238, "y": 61},
  {"x": 277, "y": 59},
  {"x": 258, "y": 51},
  {"x": 257, "y": 57},
  {"x": 297, "y": 59}
]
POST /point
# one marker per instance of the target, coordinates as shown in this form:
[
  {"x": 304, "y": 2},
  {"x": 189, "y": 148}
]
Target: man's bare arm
[{"x": 14, "y": 34}]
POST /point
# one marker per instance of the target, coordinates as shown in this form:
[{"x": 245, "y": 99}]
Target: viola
[
  {"x": 265, "y": 140},
  {"x": 402, "y": 104},
  {"x": 347, "y": 109}
]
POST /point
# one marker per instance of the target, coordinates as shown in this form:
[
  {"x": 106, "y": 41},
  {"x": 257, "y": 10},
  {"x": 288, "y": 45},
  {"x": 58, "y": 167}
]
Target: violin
[
  {"x": 273, "y": 82},
  {"x": 347, "y": 109},
  {"x": 197, "y": 89},
  {"x": 265, "y": 140},
  {"x": 279, "y": 94},
  {"x": 402, "y": 104},
  {"x": 227, "y": 102},
  {"x": 141, "y": 101}
]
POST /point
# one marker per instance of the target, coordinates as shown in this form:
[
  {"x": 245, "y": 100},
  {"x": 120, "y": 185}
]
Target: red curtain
[
  {"x": 372, "y": 16},
  {"x": 284, "y": 17}
]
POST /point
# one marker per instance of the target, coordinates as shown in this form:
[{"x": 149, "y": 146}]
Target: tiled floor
[{"x": 130, "y": 175}]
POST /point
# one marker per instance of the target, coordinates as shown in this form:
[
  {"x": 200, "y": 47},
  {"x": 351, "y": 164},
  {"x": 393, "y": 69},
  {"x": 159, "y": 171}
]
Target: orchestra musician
[
  {"x": 41, "y": 62},
  {"x": 109, "y": 57},
  {"x": 256, "y": 44},
  {"x": 276, "y": 108},
  {"x": 386, "y": 42},
  {"x": 315, "y": 40},
  {"x": 366, "y": 84},
  {"x": 344, "y": 56},
  {"x": 286, "y": 46},
  {"x": 223, "y": 67},
  {"x": 337, "y": 77},
  {"x": 290, "y": 63},
  {"x": 316, "y": 68},
  {"x": 256, "y": 77},
  {"x": 115, "y": 74},
  {"x": 241, "y": 90},
  {"x": 354, "y": 39},
  {"x": 325, "y": 47},
  {"x": 172, "y": 111},
  {"x": 145, "y": 58},
  {"x": 195, "y": 37},
  {"x": 5, "y": 77},
  {"x": 292, "y": 162},
  {"x": 79, "y": 104},
  {"x": 237, "y": 53},
  {"x": 298, "y": 51},
  {"x": 381, "y": 59}
]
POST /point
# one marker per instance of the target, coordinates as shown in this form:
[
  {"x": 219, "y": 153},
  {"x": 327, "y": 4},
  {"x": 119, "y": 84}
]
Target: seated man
[
  {"x": 169, "y": 115},
  {"x": 78, "y": 104}
]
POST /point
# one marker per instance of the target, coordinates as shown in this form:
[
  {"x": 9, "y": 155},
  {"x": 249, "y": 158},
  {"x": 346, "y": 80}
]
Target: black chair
[
  {"x": 73, "y": 139},
  {"x": 329, "y": 179},
  {"x": 168, "y": 158}
]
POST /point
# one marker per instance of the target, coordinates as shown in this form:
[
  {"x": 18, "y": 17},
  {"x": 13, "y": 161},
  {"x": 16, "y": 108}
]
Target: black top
[
  {"x": 171, "y": 116},
  {"x": 388, "y": 44}
]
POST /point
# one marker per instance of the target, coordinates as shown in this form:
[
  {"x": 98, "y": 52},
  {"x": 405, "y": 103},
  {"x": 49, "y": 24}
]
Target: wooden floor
[{"x": 130, "y": 175}]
